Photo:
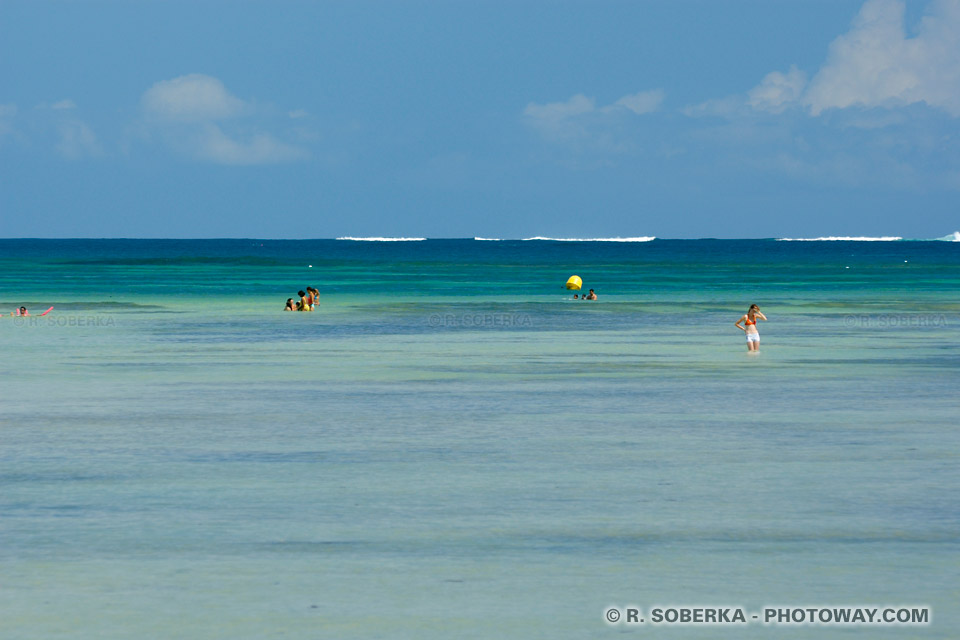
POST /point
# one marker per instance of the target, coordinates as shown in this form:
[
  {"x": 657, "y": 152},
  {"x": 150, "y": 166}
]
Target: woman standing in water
[{"x": 750, "y": 320}]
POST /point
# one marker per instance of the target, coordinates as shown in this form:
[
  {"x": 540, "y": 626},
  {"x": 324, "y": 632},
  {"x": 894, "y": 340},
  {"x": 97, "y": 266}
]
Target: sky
[{"x": 601, "y": 118}]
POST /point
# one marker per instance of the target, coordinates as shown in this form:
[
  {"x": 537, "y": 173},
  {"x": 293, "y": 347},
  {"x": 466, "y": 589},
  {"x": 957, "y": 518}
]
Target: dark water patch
[
  {"x": 548, "y": 544},
  {"x": 262, "y": 457},
  {"x": 402, "y": 454},
  {"x": 173, "y": 261},
  {"x": 639, "y": 541},
  {"x": 309, "y": 546},
  {"x": 141, "y": 366},
  {"x": 63, "y": 510},
  {"x": 407, "y": 322},
  {"x": 950, "y": 362},
  {"x": 54, "y": 477},
  {"x": 97, "y": 305}
]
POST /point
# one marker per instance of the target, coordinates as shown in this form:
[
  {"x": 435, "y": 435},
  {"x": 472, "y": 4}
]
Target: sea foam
[{"x": 953, "y": 237}]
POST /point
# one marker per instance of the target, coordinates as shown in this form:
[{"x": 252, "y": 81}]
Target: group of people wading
[{"x": 308, "y": 300}]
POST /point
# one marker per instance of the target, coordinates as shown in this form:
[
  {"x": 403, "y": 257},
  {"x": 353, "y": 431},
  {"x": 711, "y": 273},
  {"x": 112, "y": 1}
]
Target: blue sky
[{"x": 495, "y": 119}]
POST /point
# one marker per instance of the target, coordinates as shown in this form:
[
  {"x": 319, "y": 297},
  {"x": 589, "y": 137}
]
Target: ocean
[{"x": 451, "y": 446}]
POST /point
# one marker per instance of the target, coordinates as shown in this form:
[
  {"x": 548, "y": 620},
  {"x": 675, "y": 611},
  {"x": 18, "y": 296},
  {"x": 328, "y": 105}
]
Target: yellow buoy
[{"x": 574, "y": 283}]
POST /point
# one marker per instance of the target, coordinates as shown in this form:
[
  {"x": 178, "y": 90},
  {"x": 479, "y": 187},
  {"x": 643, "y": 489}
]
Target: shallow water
[{"x": 452, "y": 447}]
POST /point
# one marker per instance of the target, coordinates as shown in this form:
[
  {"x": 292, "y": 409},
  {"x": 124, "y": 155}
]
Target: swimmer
[
  {"x": 576, "y": 297},
  {"x": 591, "y": 295},
  {"x": 303, "y": 305},
  {"x": 750, "y": 320},
  {"x": 290, "y": 305},
  {"x": 314, "y": 297},
  {"x": 22, "y": 311}
]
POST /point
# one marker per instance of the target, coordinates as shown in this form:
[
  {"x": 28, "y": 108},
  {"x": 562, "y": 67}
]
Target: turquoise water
[{"x": 451, "y": 447}]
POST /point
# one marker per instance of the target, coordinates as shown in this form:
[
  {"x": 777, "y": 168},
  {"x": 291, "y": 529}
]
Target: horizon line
[{"x": 624, "y": 240}]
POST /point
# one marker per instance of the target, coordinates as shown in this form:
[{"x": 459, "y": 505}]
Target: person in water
[
  {"x": 303, "y": 305},
  {"x": 22, "y": 311},
  {"x": 291, "y": 306},
  {"x": 576, "y": 297},
  {"x": 591, "y": 295},
  {"x": 314, "y": 297},
  {"x": 750, "y": 328}
]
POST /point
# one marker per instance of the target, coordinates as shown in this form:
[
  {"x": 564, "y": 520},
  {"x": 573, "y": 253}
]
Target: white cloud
[
  {"x": 777, "y": 90},
  {"x": 64, "y": 105},
  {"x": 579, "y": 105},
  {"x": 214, "y": 145},
  {"x": 775, "y": 93},
  {"x": 188, "y": 114},
  {"x": 876, "y": 65},
  {"x": 579, "y": 118},
  {"x": 643, "y": 102},
  {"x": 555, "y": 112},
  {"x": 873, "y": 65},
  {"x": 77, "y": 140},
  {"x": 191, "y": 98},
  {"x": 561, "y": 121}
]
